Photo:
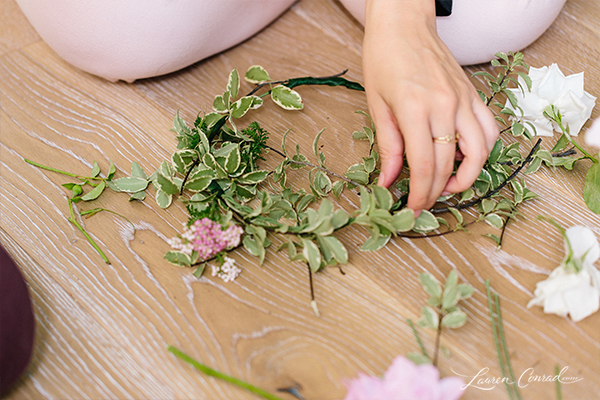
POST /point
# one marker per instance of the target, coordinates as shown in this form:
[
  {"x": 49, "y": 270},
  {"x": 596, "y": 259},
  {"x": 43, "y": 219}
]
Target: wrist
[{"x": 405, "y": 10}]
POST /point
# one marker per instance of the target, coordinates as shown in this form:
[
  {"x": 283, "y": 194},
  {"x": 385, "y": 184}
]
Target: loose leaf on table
[
  {"x": 286, "y": 98},
  {"x": 256, "y": 74}
]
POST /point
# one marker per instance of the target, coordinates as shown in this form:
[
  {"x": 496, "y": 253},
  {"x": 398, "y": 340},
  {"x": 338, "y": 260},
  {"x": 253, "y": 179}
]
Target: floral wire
[
  {"x": 505, "y": 347},
  {"x": 496, "y": 339},
  {"x": 418, "y": 338},
  {"x": 217, "y": 374}
]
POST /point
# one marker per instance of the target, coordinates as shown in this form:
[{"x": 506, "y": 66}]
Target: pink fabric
[{"x": 472, "y": 32}]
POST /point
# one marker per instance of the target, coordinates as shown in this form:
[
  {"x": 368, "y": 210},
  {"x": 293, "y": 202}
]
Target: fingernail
[
  {"x": 381, "y": 179},
  {"x": 446, "y": 193}
]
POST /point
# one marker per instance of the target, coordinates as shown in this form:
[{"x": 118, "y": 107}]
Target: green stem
[
  {"x": 91, "y": 213},
  {"x": 72, "y": 220},
  {"x": 557, "y": 383},
  {"x": 496, "y": 339},
  {"x": 418, "y": 338},
  {"x": 83, "y": 178},
  {"x": 587, "y": 155},
  {"x": 216, "y": 374},
  {"x": 437, "y": 342},
  {"x": 505, "y": 347}
]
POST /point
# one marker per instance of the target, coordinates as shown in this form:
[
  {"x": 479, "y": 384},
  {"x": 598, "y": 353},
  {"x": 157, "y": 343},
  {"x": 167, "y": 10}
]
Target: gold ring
[{"x": 449, "y": 138}]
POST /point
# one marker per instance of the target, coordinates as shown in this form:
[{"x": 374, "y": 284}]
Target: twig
[
  {"x": 269, "y": 83},
  {"x": 313, "y": 302},
  {"x": 437, "y": 343}
]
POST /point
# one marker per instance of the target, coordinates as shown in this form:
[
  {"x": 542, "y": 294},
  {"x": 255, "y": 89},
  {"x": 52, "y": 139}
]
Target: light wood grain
[{"x": 103, "y": 329}]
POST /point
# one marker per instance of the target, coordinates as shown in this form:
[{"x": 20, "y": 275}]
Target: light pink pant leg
[{"x": 472, "y": 32}]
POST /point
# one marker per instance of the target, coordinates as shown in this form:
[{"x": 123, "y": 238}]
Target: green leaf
[
  {"x": 337, "y": 249},
  {"x": 426, "y": 222},
  {"x": 383, "y": 197},
  {"x": 527, "y": 79},
  {"x": 450, "y": 297},
  {"x": 315, "y": 146},
  {"x": 562, "y": 143},
  {"x": 232, "y": 161},
  {"x": 375, "y": 243},
  {"x": 254, "y": 177},
  {"x": 241, "y": 107},
  {"x": 199, "y": 184},
  {"x": 256, "y": 74},
  {"x": 431, "y": 286},
  {"x": 418, "y": 358},
  {"x": 494, "y": 220},
  {"x": 467, "y": 195},
  {"x": 129, "y": 184},
  {"x": 339, "y": 219},
  {"x": 76, "y": 190},
  {"x": 591, "y": 188},
  {"x": 286, "y": 98},
  {"x": 112, "y": 170},
  {"x": 457, "y": 214},
  {"x": 95, "y": 170},
  {"x": 94, "y": 193},
  {"x": 312, "y": 254},
  {"x": 165, "y": 184},
  {"x": 338, "y": 188},
  {"x": 454, "y": 320},
  {"x": 429, "y": 318},
  {"x": 182, "y": 161},
  {"x": 200, "y": 270},
  {"x": 141, "y": 196},
  {"x": 404, "y": 220},
  {"x": 163, "y": 199},
  {"x": 465, "y": 290},
  {"x": 219, "y": 104},
  {"x": 178, "y": 258},
  {"x": 233, "y": 84},
  {"x": 137, "y": 171}
]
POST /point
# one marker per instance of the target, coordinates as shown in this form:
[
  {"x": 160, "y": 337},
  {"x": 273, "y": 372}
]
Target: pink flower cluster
[
  {"x": 405, "y": 381},
  {"x": 207, "y": 237}
]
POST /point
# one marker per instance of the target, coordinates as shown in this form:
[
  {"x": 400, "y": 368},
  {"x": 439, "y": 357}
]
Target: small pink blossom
[
  {"x": 208, "y": 238},
  {"x": 405, "y": 380},
  {"x": 592, "y": 136}
]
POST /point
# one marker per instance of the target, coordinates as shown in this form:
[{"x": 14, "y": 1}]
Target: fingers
[
  {"x": 487, "y": 122},
  {"x": 389, "y": 142},
  {"x": 474, "y": 146}
]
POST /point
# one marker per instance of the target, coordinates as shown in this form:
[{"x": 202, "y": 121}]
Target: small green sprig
[{"x": 442, "y": 311}]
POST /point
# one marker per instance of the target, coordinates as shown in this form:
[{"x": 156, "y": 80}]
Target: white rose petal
[
  {"x": 592, "y": 136},
  {"x": 568, "y": 291},
  {"x": 551, "y": 87}
]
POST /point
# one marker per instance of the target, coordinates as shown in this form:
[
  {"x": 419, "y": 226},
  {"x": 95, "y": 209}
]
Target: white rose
[
  {"x": 592, "y": 136},
  {"x": 574, "y": 287},
  {"x": 551, "y": 87}
]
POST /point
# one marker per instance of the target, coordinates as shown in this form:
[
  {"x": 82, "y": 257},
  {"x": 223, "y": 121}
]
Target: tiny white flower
[
  {"x": 574, "y": 287},
  {"x": 227, "y": 271},
  {"x": 550, "y": 87},
  {"x": 592, "y": 136}
]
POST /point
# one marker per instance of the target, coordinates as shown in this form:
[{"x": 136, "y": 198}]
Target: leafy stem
[{"x": 83, "y": 178}]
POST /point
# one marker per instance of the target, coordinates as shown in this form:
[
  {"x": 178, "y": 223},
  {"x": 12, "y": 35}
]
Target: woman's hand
[{"x": 416, "y": 92}]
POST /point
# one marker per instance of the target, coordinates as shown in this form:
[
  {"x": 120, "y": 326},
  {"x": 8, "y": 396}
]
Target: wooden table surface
[{"x": 102, "y": 330}]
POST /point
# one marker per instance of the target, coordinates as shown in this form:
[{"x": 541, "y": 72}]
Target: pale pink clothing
[{"x": 134, "y": 39}]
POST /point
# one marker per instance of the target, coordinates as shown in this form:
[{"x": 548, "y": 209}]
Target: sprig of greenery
[{"x": 442, "y": 311}]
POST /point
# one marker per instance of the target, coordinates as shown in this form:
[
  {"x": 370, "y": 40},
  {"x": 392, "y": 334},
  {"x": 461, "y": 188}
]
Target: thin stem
[
  {"x": 72, "y": 220},
  {"x": 91, "y": 213},
  {"x": 313, "y": 301},
  {"x": 437, "y": 343},
  {"x": 315, "y": 166},
  {"x": 496, "y": 339},
  {"x": 505, "y": 347},
  {"x": 217, "y": 374},
  {"x": 506, "y": 74},
  {"x": 557, "y": 383},
  {"x": 35, "y": 164},
  {"x": 187, "y": 175},
  {"x": 503, "y": 230},
  {"x": 418, "y": 338},
  {"x": 558, "y": 120}
]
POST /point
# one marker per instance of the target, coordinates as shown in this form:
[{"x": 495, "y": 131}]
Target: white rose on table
[
  {"x": 592, "y": 136},
  {"x": 550, "y": 87},
  {"x": 574, "y": 287}
]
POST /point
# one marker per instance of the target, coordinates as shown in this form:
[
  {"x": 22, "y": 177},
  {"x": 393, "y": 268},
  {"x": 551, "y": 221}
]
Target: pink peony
[
  {"x": 592, "y": 136},
  {"x": 405, "y": 380}
]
